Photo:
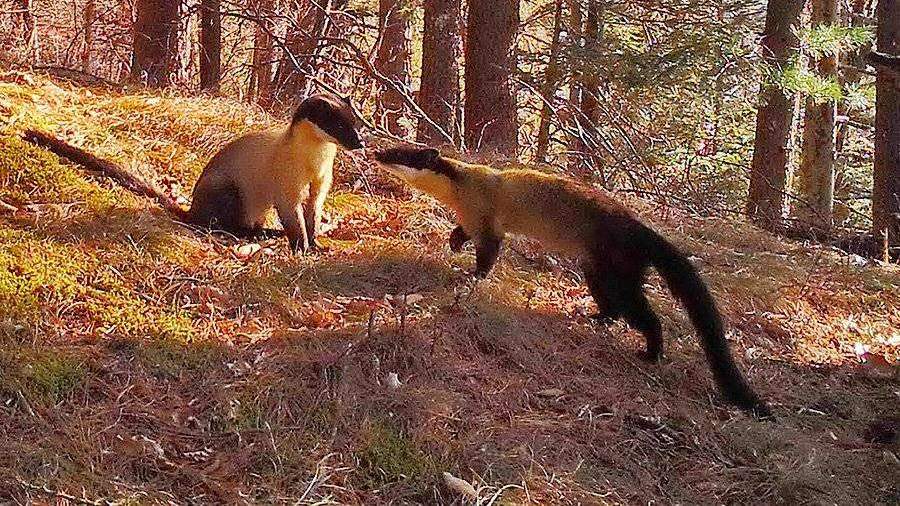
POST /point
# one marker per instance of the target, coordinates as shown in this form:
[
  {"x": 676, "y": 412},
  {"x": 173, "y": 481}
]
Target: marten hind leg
[
  {"x": 219, "y": 209},
  {"x": 618, "y": 293},
  {"x": 639, "y": 314},
  {"x": 607, "y": 312}
]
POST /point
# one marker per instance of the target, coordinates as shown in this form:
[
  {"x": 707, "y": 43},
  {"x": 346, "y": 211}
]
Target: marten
[
  {"x": 246, "y": 178},
  {"x": 614, "y": 248}
]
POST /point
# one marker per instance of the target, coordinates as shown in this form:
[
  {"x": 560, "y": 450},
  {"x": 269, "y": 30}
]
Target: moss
[
  {"x": 170, "y": 358},
  {"x": 33, "y": 272},
  {"x": 37, "y": 275},
  {"x": 52, "y": 377},
  {"x": 388, "y": 456}
]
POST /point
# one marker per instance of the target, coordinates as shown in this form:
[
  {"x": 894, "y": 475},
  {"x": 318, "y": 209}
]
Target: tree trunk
[
  {"x": 439, "y": 91},
  {"x": 590, "y": 87},
  {"x": 815, "y": 178},
  {"x": 490, "y": 101},
  {"x": 765, "y": 203},
  {"x": 576, "y": 146},
  {"x": 210, "y": 45},
  {"x": 90, "y": 12},
  {"x": 886, "y": 187},
  {"x": 548, "y": 91},
  {"x": 155, "y": 56},
  {"x": 261, "y": 75},
  {"x": 29, "y": 29},
  {"x": 392, "y": 61}
]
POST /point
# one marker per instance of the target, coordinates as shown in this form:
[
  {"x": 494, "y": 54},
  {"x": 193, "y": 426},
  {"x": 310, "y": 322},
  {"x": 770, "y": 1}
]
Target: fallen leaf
[
  {"x": 550, "y": 392},
  {"x": 459, "y": 485},
  {"x": 244, "y": 252},
  {"x": 392, "y": 380},
  {"x": 877, "y": 366}
]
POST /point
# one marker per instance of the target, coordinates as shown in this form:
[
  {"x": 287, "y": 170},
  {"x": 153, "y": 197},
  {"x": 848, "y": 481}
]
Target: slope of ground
[{"x": 140, "y": 361}]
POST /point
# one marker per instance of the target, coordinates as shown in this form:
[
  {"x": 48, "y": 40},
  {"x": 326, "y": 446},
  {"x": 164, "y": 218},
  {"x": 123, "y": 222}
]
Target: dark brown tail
[
  {"x": 687, "y": 286},
  {"x": 109, "y": 169}
]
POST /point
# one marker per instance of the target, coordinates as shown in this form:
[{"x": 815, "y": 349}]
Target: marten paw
[{"x": 651, "y": 357}]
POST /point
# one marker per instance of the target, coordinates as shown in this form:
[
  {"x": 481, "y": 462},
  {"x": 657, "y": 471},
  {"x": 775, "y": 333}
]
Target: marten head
[
  {"x": 415, "y": 163},
  {"x": 332, "y": 116},
  {"x": 424, "y": 169}
]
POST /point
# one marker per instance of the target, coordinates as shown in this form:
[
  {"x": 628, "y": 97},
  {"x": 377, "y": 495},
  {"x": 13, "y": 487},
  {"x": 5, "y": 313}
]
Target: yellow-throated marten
[
  {"x": 279, "y": 168},
  {"x": 250, "y": 175},
  {"x": 614, "y": 247}
]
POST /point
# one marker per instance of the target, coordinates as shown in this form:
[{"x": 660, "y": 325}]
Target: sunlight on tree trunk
[
  {"x": 590, "y": 85},
  {"x": 490, "y": 67},
  {"x": 29, "y": 26},
  {"x": 576, "y": 147},
  {"x": 765, "y": 203},
  {"x": 392, "y": 60},
  {"x": 439, "y": 91},
  {"x": 815, "y": 178},
  {"x": 886, "y": 187},
  {"x": 260, "y": 88}
]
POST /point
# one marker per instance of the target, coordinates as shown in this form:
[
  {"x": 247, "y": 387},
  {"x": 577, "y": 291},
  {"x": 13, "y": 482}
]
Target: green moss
[
  {"x": 52, "y": 377},
  {"x": 33, "y": 272},
  {"x": 169, "y": 358},
  {"x": 37, "y": 275},
  {"x": 388, "y": 456}
]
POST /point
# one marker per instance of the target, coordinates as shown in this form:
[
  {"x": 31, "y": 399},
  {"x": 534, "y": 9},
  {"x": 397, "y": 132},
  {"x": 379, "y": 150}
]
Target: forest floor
[{"x": 142, "y": 362}]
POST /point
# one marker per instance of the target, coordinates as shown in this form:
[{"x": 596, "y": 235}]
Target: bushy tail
[
  {"x": 123, "y": 177},
  {"x": 685, "y": 283}
]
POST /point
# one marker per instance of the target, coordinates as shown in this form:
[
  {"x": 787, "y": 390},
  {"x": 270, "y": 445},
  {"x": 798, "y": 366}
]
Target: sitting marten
[{"x": 246, "y": 178}]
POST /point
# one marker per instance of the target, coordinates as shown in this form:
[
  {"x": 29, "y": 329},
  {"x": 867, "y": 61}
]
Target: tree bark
[
  {"x": 155, "y": 56},
  {"x": 886, "y": 187},
  {"x": 439, "y": 90},
  {"x": 90, "y": 12},
  {"x": 590, "y": 85},
  {"x": 261, "y": 75},
  {"x": 576, "y": 146},
  {"x": 490, "y": 100},
  {"x": 210, "y": 45},
  {"x": 765, "y": 203},
  {"x": 29, "y": 29},
  {"x": 815, "y": 179},
  {"x": 548, "y": 91},
  {"x": 392, "y": 61}
]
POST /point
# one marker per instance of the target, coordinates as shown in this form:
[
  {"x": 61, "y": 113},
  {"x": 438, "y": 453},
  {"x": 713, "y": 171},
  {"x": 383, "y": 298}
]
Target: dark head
[
  {"x": 422, "y": 168},
  {"x": 417, "y": 159},
  {"x": 333, "y": 116}
]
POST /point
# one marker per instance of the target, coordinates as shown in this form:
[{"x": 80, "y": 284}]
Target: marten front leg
[
  {"x": 318, "y": 190},
  {"x": 458, "y": 239},
  {"x": 291, "y": 216},
  {"x": 487, "y": 249}
]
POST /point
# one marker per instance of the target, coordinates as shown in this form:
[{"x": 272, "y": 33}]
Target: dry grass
[{"x": 141, "y": 362}]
